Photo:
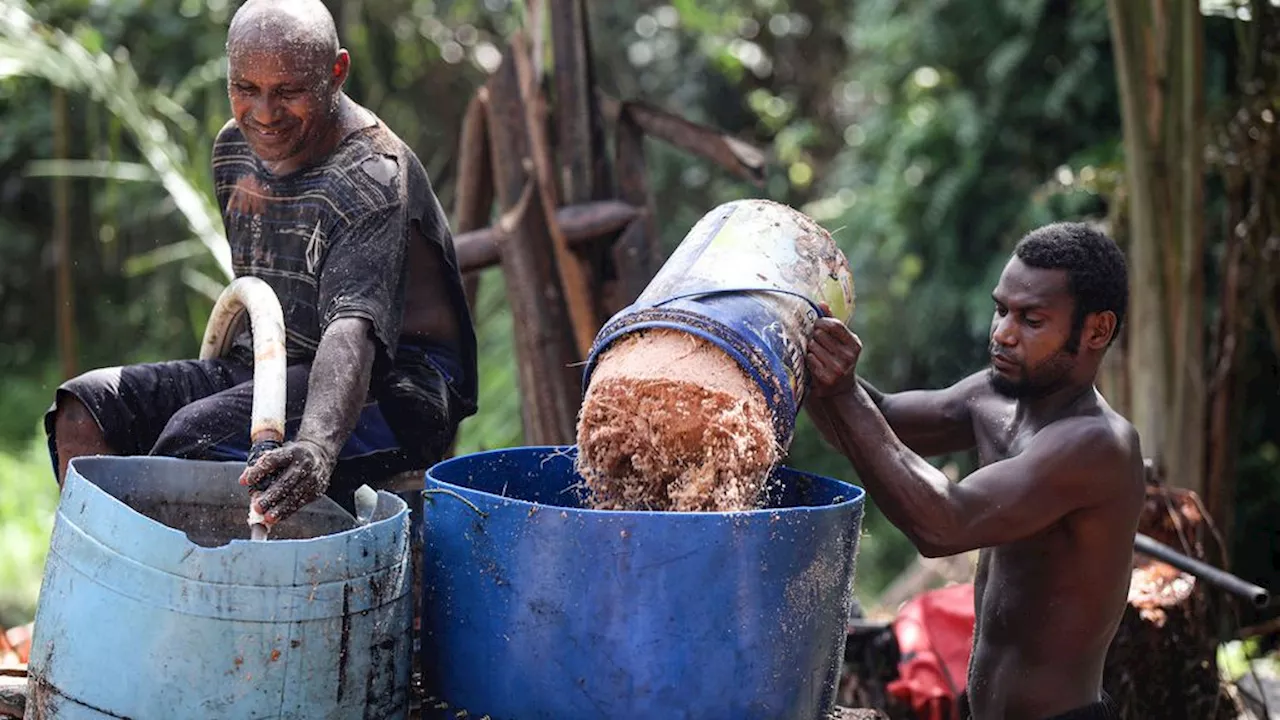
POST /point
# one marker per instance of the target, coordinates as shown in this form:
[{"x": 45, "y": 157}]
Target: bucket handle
[
  {"x": 447, "y": 491},
  {"x": 718, "y": 291}
]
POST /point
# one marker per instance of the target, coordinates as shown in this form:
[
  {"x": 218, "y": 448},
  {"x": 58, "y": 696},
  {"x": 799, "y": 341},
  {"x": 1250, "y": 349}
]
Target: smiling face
[
  {"x": 284, "y": 86},
  {"x": 1034, "y": 344}
]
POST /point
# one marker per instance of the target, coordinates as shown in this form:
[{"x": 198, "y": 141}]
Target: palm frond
[{"x": 30, "y": 48}]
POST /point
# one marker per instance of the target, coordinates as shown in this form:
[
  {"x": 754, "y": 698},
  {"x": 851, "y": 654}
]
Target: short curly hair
[{"x": 1097, "y": 274}]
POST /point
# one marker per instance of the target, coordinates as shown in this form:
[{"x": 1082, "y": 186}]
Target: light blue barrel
[
  {"x": 537, "y": 609},
  {"x": 155, "y": 604}
]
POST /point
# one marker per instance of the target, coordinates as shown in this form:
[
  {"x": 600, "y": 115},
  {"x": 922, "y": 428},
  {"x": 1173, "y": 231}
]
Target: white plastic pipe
[{"x": 266, "y": 322}]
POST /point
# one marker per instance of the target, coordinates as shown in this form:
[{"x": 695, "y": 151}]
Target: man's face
[
  {"x": 1033, "y": 347},
  {"x": 284, "y": 101}
]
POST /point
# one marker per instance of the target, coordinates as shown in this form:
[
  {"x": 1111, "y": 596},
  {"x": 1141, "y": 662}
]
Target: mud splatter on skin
[
  {"x": 670, "y": 422},
  {"x": 284, "y": 76}
]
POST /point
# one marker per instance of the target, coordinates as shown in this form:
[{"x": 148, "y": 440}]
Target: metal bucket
[
  {"x": 748, "y": 277},
  {"x": 535, "y": 608},
  {"x": 155, "y": 604}
]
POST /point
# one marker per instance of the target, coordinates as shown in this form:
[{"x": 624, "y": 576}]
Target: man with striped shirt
[{"x": 327, "y": 205}]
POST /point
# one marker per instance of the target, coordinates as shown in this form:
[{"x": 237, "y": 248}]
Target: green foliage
[
  {"x": 28, "y": 498},
  {"x": 1238, "y": 657},
  {"x": 78, "y": 63},
  {"x": 497, "y": 424},
  {"x": 954, "y": 127}
]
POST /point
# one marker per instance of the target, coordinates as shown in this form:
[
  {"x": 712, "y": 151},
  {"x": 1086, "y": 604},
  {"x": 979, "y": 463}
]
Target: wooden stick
[
  {"x": 636, "y": 254},
  {"x": 740, "y": 158},
  {"x": 583, "y": 167},
  {"x": 573, "y": 275},
  {"x": 475, "y": 183},
  {"x": 550, "y": 384},
  {"x": 579, "y": 122},
  {"x": 581, "y": 224}
]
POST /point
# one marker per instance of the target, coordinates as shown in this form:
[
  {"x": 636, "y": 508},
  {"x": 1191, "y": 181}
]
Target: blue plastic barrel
[
  {"x": 748, "y": 278},
  {"x": 155, "y": 604},
  {"x": 536, "y": 608}
]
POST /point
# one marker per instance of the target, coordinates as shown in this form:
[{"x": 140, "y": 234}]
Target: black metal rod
[{"x": 1259, "y": 596}]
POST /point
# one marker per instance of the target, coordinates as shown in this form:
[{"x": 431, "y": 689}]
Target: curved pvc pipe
[{"x": 266, "y": 321}]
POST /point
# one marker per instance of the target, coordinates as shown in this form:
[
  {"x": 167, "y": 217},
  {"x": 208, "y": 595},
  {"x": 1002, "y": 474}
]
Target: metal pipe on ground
[{"x": 1259, "y": 596}]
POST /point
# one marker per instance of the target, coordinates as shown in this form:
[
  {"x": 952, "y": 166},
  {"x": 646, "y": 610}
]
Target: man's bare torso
[
  {"x": 1047, "y": 606},
  {"x": 427, "y": 309}
]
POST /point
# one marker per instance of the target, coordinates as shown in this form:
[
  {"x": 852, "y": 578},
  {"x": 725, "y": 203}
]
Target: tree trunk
[
  {"x": 574, "y": 274},
  {"x": 1159, "y": 59},
  {"x": 64, "y": 296},
  {"x": 1245, "y": 160},
  {"x": 550, "y": 384},
  {"x": 637, "y": 255},
  {"x": 580, "y": 134},
  {"x": 1162, "y": 662}
]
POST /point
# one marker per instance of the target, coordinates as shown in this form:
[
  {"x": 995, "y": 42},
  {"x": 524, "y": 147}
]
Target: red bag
[{"x": 935, "y": 635}]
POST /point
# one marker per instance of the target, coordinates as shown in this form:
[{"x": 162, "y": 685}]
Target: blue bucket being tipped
[
  {"x": 534, "y": 607},
  {"x": 748, "y": 278}
]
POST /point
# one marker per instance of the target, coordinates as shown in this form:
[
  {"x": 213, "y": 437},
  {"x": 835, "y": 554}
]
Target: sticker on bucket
[{"x": 748, "y": 277}]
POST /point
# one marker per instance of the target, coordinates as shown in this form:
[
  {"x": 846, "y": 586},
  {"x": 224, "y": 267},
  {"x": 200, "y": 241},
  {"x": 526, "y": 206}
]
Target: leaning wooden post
[
  {"x": 580, "y": 134},
  {"x": 550, "y": 384},
  {"x": 579, "y": 122},
  {"x": 573, "y": 272},
  {"x": 475, "y": 178}
]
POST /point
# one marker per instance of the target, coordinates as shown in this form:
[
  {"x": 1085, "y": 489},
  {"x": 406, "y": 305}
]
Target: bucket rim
[
  {"x": 631, "y": 321},
  {"x": 855, "y": 500},
  {"x": 80, "y": 479}
]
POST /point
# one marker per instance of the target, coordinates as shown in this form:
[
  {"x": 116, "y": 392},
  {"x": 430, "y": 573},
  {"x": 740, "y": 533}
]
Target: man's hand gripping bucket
[{"x": 750, "y": 278}]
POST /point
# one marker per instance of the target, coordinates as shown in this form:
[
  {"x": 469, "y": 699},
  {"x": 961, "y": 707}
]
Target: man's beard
[{"x": 1044, "y": 379}]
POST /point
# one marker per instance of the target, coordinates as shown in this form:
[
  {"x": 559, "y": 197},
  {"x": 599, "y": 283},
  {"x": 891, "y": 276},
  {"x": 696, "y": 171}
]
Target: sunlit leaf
[{"x": 62, "y": 60}]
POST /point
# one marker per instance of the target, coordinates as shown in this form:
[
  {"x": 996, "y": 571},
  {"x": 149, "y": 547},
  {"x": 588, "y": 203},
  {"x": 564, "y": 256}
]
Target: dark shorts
[
  {"x": 200, "y": 410},
  {"x": 1104, "y": 709}
]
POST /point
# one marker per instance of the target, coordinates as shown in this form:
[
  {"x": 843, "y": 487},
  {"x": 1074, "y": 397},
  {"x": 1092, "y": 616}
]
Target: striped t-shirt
[{"x": 330, "y": 239}]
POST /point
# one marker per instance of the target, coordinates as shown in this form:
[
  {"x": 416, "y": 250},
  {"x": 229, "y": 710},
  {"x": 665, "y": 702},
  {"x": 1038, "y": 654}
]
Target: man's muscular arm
[
  {"x": 1069, "y": 465},
  {"x": 930, "y": 422},
  {"x": 335, "y": 394}
]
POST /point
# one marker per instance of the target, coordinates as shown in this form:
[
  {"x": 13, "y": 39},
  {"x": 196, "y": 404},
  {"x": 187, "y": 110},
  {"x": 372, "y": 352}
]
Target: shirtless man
[
  {"x": 1054, "y": 505},
  {"x": 328, "y": 206}
]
